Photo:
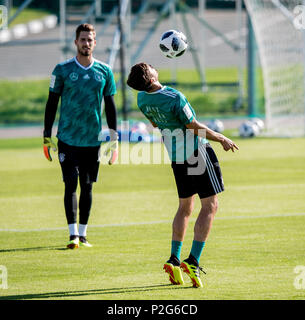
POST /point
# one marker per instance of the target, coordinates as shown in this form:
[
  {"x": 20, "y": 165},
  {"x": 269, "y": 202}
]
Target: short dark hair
[
  {"x": 84, "y": 27},
  {"x": 139, "y": 77}
]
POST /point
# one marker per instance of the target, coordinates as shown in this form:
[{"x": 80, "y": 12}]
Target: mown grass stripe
[{"x": 128, "y": 224}]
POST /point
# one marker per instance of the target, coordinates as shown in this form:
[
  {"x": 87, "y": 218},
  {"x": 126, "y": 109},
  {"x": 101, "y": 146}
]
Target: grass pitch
[{"x": 255, "y": 244}]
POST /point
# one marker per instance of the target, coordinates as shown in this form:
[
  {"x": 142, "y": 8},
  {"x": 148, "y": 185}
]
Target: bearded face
[{"x": 85, "y": 43}]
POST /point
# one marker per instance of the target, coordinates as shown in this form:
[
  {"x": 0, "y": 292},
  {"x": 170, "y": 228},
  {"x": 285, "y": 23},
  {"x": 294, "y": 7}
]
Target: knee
[
  {"x": 86, "y": 187},
  {"x": 210, "y": 206},
  {"x": 186, "y": 209},
  {"x": 214, "y": 205},
  {"x": 86, "y": 191},
  {"x": 70, "y": 185}
]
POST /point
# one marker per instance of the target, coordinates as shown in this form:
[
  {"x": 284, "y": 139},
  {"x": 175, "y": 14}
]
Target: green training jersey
[
  {"x": 82, "y": 90},
  {"x": 171, "y": 112}
]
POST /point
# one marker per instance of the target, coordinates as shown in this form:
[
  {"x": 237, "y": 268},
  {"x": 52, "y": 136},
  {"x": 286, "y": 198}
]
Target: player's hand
[
  {"x": 228, "y": 144},
  {"x": 47, "y": 144},
  {"x": 112, "y": 149}
]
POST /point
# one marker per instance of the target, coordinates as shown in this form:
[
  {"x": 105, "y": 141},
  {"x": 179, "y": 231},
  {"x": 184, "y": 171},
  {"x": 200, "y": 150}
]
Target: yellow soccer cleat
[
  {"x": 172, "y": 267},
  {"x": 73, "y": 243},
  {"x": 83, "y": 242},
  {"x": 193, "y": 271}
]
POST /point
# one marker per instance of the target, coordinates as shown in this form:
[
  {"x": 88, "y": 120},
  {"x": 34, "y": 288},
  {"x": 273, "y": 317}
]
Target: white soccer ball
[
  {"x": 173, "y": 43},
  {"x": 216, "y": 125},
  {"x": 259, "y": 122},
  {"x": 248, "y": 129}
]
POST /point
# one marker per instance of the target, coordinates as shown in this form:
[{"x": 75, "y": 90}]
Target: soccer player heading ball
[
  {"x": 194, "y": 163},
  {"x": 81, "y": 83}
]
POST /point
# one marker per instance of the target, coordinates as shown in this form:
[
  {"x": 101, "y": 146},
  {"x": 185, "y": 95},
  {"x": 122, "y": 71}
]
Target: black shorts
[
  {"x": 79, "y": 161},
  {"x": 200, "y": 174}
]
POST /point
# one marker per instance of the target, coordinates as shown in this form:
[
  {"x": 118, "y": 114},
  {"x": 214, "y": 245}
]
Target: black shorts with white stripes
[{"x": 200, "y": 174}]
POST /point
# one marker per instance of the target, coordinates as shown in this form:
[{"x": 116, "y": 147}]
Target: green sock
[
  {"x": 176, "y": 248},
  {"x": 197, "y": 248}
]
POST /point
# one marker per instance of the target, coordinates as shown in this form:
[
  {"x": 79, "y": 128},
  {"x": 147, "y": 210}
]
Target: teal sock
[
  {"x": 197, "y": 248},
  {"x": 176, "y": 248}
]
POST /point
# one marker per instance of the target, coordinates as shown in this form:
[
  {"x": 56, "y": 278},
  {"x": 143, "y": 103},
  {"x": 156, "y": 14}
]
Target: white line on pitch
[{"x": 156, "y": 222}]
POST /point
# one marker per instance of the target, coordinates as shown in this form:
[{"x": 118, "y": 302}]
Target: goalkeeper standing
[
  {"x": 194, "y": 163},
  {"x": 81, "y": 83}
]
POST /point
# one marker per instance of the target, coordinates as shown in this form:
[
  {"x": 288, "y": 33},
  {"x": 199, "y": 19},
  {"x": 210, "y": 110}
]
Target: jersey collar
[
  {"x": 163, "y": 87},
  {"x": 85, "y": 68}
]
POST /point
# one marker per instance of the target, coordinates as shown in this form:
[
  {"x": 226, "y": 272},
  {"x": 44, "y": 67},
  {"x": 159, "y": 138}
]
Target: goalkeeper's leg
[
  {"x": 85, "y": 203},
  {"x": 88, "y": 174},
  {"x": 70, "y": 202}
]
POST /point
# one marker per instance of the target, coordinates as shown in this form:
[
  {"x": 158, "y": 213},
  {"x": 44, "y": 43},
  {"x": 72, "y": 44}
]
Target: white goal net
[{"x": 279, "y": 30}]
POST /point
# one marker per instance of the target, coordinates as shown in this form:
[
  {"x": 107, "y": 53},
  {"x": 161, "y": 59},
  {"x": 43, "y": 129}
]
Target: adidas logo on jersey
[{"x": 86, "y": 77}]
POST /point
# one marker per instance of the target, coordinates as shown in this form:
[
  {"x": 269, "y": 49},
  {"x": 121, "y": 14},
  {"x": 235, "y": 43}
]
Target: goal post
[{"x": 281, "y": 49}]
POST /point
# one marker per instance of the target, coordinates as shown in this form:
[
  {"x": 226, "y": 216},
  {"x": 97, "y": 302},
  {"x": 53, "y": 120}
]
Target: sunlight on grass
[{"x": 255, "y": 243}]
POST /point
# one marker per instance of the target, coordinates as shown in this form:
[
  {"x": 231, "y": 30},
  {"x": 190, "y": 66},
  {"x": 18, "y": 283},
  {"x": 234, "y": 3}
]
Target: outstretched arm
[{"x": 202, "y": 130}]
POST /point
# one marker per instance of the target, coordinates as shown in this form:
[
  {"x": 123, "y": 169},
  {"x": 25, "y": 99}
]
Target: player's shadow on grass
[
  {"x": 34, "y": 249},
  {"x": 82, "y": 293},
  {"x": 60, "y": 248}
]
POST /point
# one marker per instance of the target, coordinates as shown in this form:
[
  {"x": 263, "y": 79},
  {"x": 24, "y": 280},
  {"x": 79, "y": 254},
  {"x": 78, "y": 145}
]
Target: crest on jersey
[
  {"x": 73, "y": 76},
  {"x": 98, "y": 77}
]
